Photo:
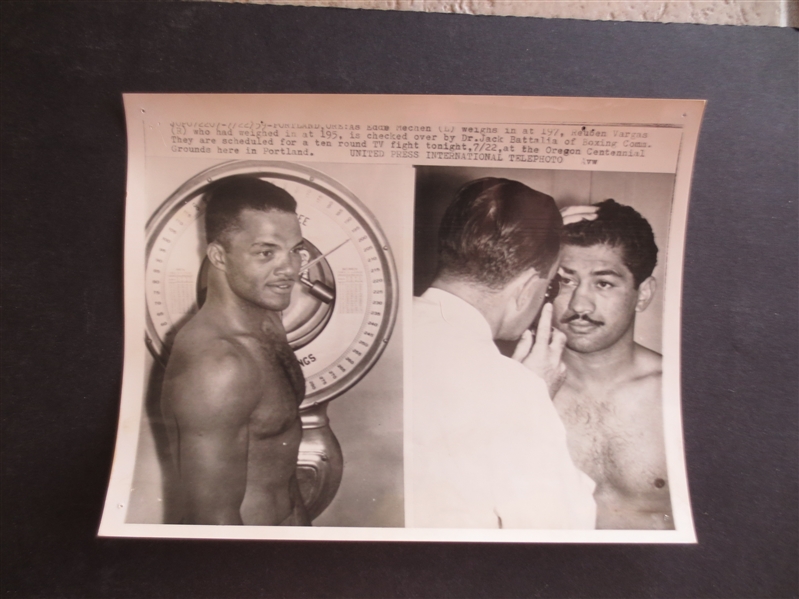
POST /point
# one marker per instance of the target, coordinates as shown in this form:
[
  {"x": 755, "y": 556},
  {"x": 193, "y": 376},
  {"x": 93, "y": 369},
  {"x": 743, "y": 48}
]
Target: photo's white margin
[
  {"x": 448, "y": 535},
  {"x": 406, "y": 305},
  {"x": 672, "y": 325},
  {"x": 132, "y": 395}
]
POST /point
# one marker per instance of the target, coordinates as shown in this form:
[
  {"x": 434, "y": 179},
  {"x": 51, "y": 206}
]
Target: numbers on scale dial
[{"x": 366, "y": 334}]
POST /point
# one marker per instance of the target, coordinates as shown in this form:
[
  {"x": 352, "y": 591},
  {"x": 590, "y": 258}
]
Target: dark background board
[{"x": 64, "y": 66}]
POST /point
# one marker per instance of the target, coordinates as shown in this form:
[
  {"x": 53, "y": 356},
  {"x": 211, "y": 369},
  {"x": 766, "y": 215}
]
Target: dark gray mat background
[{"x": 64, "y": 67}]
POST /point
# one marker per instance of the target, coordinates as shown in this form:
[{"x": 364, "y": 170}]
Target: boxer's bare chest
[
  {"x": 615, "y": 436},
  {"x": 282, "y": 388}
]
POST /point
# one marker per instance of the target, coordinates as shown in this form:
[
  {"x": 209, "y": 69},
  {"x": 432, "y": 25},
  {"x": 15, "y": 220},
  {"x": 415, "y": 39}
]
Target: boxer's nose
[
  {"x": 289, "y": 265},
  {"x": 582, "y": 300}
]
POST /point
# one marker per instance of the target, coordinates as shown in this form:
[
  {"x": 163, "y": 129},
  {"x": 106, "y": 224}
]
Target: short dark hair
[
  {"x": 621, "y": 227},
  {"x": 226, "y": 198},
  {"x": 495, "y": 229}
]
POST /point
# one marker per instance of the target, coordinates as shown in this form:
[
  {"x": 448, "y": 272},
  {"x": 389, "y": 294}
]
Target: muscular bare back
[
  {"x": 615, "y": 435},
  {"x": 231, "y": 403}
]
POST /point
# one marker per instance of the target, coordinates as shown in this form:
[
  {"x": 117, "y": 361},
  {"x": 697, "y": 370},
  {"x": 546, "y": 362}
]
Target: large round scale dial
[{"x": 343, "y": 309}]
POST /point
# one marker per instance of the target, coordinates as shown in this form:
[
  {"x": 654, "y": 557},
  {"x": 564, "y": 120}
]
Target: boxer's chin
[
  {"x": 274, "y": 302},
  {"x": 583, "y": 344}
]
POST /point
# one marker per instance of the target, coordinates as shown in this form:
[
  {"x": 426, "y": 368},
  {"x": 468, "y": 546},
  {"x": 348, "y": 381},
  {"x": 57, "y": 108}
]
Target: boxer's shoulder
[{"x": 211, "y": 370}]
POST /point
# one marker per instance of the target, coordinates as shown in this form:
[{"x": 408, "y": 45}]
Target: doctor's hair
[
  {"x": 495, "y": 229},
  {"x": 621, "y": 227},
  {"x": 228, "y": 197}
]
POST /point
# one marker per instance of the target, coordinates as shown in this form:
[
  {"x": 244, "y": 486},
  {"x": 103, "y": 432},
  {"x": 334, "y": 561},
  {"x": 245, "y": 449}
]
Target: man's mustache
[{"x": 573, "y": 317}]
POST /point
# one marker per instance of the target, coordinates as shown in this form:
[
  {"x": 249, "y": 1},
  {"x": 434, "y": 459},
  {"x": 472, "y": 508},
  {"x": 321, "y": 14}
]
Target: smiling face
[
  {"x": 597, "y": 300},
  {"x": 262, "y": 258}
]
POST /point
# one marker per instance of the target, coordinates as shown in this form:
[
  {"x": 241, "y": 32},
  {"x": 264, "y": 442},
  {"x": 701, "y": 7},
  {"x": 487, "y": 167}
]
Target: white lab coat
[{"x": 487, "y": 448}]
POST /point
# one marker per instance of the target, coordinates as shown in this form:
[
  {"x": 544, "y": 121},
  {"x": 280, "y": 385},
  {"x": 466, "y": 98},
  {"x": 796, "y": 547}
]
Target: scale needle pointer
[{"x": 315, "y": 260}]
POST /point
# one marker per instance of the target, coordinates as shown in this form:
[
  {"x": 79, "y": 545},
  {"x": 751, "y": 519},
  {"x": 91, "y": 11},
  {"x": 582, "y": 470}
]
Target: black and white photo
[
  {"x": 411, "y": 318},
  {"x": 603, "y": 289}
]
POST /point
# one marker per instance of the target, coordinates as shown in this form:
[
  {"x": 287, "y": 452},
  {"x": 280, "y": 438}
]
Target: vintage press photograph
[
  {"x": 515, "y": 425},
  {"x": 403, "y": 318}
]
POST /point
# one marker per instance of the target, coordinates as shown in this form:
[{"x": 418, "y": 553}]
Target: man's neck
[{"x": 483, "y": 300}]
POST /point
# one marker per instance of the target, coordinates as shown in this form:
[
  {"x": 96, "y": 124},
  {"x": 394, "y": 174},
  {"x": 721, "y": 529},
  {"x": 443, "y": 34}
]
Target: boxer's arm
[{"x": 212, "y": 402}]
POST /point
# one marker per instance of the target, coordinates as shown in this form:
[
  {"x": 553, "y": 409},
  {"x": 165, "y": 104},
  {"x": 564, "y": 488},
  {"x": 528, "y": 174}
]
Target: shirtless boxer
[
  {"x": 233, "y": 387},
  {"x": 611, "y": 402}
]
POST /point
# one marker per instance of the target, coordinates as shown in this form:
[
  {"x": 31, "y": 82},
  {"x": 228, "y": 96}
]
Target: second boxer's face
[
  {"x": 262, "y": 258},
  {"x": 596, "y": 302}
]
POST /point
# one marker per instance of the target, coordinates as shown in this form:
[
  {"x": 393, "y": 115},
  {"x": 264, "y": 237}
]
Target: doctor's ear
[
  {"x": 646, "y": 291},
  {"x": 216, "y": 255},
  {"x": 527, "y": 287}
]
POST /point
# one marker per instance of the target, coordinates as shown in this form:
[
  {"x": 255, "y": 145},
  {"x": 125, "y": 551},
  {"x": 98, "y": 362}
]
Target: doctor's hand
[
  {"x": 543, "y": 354},
  {"x": 574, "y": 214}
]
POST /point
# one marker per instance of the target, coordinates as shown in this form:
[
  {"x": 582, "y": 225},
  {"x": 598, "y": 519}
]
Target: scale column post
[{"x": 320, "y": 463}]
